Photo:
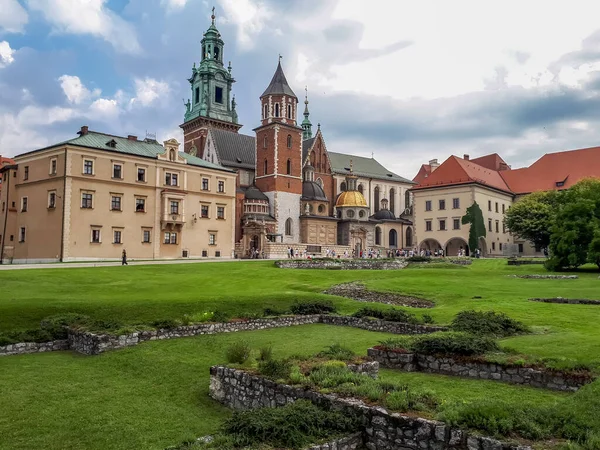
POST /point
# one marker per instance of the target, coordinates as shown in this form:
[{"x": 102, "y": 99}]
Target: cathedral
[{"x": 291, "y": 191}]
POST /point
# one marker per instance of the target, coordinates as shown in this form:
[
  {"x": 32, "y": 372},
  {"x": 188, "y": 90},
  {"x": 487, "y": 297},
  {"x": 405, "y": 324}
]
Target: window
[
  {"x": 265, "y": 167},
  {"x": 86, "y": 200},
  {"x": 377, "y": 236},
  {"x": 197, "y": 95},
  {"x": 24, "y": 204},
  {"x": 96, "y": 236},
  {"x": 442, "y": 204},
  {"x": 350, "y": 213},
  {"x": 288, "y": 227},
  {"x": 171, "y": 179},
  {"x": 503, "y": 227},
  {"x": 115, "y": 203},
  {"x": 53, "y": 164},
  {"x": 442, "y": 225},
  {"x": 22, "y": 234},
  {"x": 220, "y": 212},
  {"x": 146, "y": 236},
  {"x": 141, "y": 174},
  {"x": 456, "y": 224},
  {"x": 289, "y": 141},
  {"x": 428, "y": 205},
  {"x": 428, "y": 225},
  {"x": 276, "y": 109},
  {"x": 25, "y": 173},
  {"x": 493, "y": 246},
  {"x": 520, "y": 248},
  {"x": 455, "y": 203},
  {"x": 489, "y": 206},
  {"x": 500, "y": 246},
  {"x": 265, "y": 142},
  {"x": 321, "y": 209},
  {"x": 204, "y": 211},
  {"x": 503, "y": 208},
  {"x": 265, "y": 111},
  {"x": 289, "y": 111},
  {"x": 51, "y": 200},
  {"x": 205, "y": 184},
  {"x": 496, "y": 206},
  {"x": 221, "y": 186},
  {"x": 489, "y": 224},
  {"x": 204, "y": 253},
  {"x": 140, "y": 205},
  {"x": 88, "y": 167},
  {"x": 217, "y": 254},
  {"x": 170, "y": 238},
  {"x": 174, "y": 207},
  {"x": 117, "y": 237},
  {"x": 288, "y": 167},
  {"x": 117, "y": 171},
  {"x": 497, "y": 226},
  {"x": 212, "y": 239},
  {"x": 218, "y": 94}
]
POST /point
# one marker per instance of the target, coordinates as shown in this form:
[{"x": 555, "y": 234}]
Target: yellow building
[{"x": 97, "y": 195}]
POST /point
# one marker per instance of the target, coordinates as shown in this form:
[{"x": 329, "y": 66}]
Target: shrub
[
  {"x": 391, "y": 315},
  {"x": 265, "y": 353},
  {"x": 238, "y": 352},
  {"x": 337, "y": 351},
  {"x": 487, "y": 322},
  {"x": 419, "y": 258},
  {"x": 250, "y": 315},
  {"x": 275, "y": 368},
  {"x": 272, "y": 312},
  {"x": 426, "y": 318},
  {"x": 197, "y": 317},
  {"x": 407, "y": 399},
  {"x": 166, "y": 324},
  {"x": 220, "y": 316},
  {"x": 5, "y": 340},
  {"x": 398, "y": 343},
  {"x": 57, "y": 324},
  {"x": 453, "y": 343},
  {"x": 307, "y": 307}
]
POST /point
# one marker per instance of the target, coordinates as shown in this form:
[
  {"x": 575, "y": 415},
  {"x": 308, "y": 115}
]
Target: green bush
[
  {"x": 250, "y": 315},
  {"x": 266, "y": 353},
  {"x": 166, "y": 324},
  {"x": 275, "y": 368},
  {"x": 453, "y": 343},
  {"x": 487, "y": 322},
  {"x": 5, "y": 340},
  {"x": 307, "y": 307},
  {"x": 419, "y": 258},
  {"x": 398, "y": 343},
  {"x": 426, "y": 318},
  {"x": 407, "y": 399},
  {"x": 391, "y": 315},
  {"x": 220, "y": 316},
  {"x": 337, "y": 351},
  {"x": 238, "y": 352},
  {"x": 57, "y": 324},
  {"x": 197, "y": 318},
  {"x": 271, "y": 312}
]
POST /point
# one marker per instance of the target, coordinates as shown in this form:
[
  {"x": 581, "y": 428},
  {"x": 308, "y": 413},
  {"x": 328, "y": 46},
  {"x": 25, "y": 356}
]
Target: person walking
[{"x": 124, "y": 258}]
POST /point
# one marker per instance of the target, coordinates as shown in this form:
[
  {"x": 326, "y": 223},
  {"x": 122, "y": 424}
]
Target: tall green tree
[
  {"x": 532, "y": 217},
  {"x": 474, "y": 216}
]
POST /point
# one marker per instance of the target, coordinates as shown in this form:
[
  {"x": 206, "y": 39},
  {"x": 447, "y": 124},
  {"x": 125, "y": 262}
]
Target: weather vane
[
  {"x": 213, "y": 15},
  {"x": 280, "y": 57}
]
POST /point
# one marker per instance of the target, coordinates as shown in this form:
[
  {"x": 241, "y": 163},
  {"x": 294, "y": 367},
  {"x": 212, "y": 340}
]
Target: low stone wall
[
  {"x": 352, "y": 442},
  {"x": 369, "y": 368},
  {"x": 359, "y": 292},
  {"x": 538, "y": 378},
  {"x": 381, "y": 430},
  {"x": 517, "y": 262},
  {"x": 343, "y": 264},
  {"x": 546, "y": 277},
  {"x": 380, "y": 325},
  {"x": 570, "y": 301},
  {"x": 23, "y": 348}
]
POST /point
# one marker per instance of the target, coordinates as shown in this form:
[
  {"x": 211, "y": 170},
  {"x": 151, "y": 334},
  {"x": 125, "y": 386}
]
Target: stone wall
[
  {"x": 463, "y": 367},
  {"x": 352, "y": 442},
  {"x": 370, "y": 368},
  {"x": 343, "y": 264},
  {"x": 381, "y": 430},
  {"x": 521, "y": 262},
  {"x": 380, "y": 325},
  {"x": 570, "y": 301},
  {"x": 33, "y": 347},
  {"x": 546, "y": 277}
]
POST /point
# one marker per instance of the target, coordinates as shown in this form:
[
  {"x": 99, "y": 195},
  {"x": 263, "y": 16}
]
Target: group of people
[{"x": 255, "y": 254}]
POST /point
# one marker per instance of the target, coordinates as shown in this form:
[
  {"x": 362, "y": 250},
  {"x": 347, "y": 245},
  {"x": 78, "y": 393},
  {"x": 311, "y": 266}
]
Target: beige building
[{"x": 94, "y": 196}]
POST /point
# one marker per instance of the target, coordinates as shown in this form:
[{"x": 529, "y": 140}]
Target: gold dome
[{"x": 351, "y": 198}]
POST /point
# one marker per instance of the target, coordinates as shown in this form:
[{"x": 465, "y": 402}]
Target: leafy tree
[
  {"x": 532, "y": 217},
  {"x": 474, "y": 216}
]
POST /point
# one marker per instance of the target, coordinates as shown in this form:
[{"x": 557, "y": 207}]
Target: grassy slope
[{"x": 155, "y": 394}]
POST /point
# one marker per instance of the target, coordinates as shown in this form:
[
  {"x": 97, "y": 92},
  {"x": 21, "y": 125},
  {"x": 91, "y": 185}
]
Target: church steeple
[
  {"x": 278, "y": 102},
  {"x": 306, "y": 125}
]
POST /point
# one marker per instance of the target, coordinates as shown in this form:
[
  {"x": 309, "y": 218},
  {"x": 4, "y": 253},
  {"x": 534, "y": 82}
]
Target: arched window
[
  {"x": 392, "y": 200},
  {"x": 407, "y": 199},
  {"x": 343, "y": 186},
  {"x": 265, "y": 167},
  {"x": 289, "y": 141},
  {"x": 276, "y": 109},
  {"x": 265, "y": 111},
  {"x": 393, "y": 239},
  {"x": 288, "y": 227},
  {"x": 289, "y": 167},
  {"x": 377, "y": 236},
  {"x": 172, "y": 155},
  {"x": 216, "y": 52},
  {"x": 360, "y": 188},
  {"x": 265, "y": 142},
  {"x": 320, "y": 181},
  {"x": 408, "y": 237},
  {"x": 289, "y": 111},
  {"x": 376, "y": 198}
]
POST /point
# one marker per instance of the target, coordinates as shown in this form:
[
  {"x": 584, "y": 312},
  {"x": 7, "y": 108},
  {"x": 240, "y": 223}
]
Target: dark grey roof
[
  {"x": 234, "y": 149},
  {"x": 384, "y": 214},
  {"x": 312, "y": 191},
  {"x": 279, "y": 85},
  {"x": 253, "y": 193},
  {"x": 306, "y": 146},
  {"x": 362, "y": 167}
]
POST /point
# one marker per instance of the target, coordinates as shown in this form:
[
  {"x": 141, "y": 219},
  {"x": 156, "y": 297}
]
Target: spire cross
[
  {"x": 213, "y": 15},
  {"x": 350, "y": 165},
  {"x": 280, "y": 57},
  {"x": 306, "y": 94}
]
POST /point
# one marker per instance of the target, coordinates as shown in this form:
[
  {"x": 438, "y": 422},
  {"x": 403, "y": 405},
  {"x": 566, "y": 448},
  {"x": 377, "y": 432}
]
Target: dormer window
[
  {"x": 112, "y": 143},
  {"x": 560, "y": 183}
]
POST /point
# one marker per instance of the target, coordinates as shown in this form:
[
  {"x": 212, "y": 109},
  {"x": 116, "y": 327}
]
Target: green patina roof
[
  {"x": 146, "y": 148},
  {"x": 362, "y": 167}
]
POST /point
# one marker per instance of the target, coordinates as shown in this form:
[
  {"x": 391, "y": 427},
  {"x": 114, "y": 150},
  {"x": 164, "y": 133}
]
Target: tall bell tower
[
  {"x": 278, "y": 170},
  {"x": 211, "y": 103}
]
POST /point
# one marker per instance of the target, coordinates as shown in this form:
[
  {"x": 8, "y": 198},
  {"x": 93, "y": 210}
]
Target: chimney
[
  {"x": 466, "y": 157},
  {"x": 434, "y": 164},
  {"x": 131, "y": 137},
  {"x": 83, "y": 131}
]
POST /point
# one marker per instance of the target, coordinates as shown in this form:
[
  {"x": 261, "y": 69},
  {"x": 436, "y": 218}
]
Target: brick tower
[
  {"x": 211, "y": 104},
  {"x": 278, "y": 168}
]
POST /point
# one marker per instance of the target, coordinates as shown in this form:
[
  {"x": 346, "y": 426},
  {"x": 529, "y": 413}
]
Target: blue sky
[{"x": 407, "y": 81}]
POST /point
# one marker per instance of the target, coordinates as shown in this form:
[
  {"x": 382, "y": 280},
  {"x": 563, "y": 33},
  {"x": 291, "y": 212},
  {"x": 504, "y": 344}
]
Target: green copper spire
[
  {"x": 306, "y": 125},
  {"x": 211, "y": 81}
]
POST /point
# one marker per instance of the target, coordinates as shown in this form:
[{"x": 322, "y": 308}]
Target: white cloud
[
  {"x": 6, "y": 54},
  {"x": 13, "y": 16},
  {"x": 173, "y": 5},
  {"x": 104, "y": 109},
  {"x": 148, "y": 90},
  {"x": 249, "y": 16},
  {"x": 89, "y": 17},
  {"x": 74, "y": 89}
]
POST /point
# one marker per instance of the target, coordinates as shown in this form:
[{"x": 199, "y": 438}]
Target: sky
[{"x": 404, "y": 81}]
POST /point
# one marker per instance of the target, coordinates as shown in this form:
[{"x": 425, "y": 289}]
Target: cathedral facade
[{"x": 291, "y": 191}]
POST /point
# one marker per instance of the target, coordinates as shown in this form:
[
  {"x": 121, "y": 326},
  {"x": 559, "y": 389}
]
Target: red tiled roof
[
  {"x": 566, "y": 167},
  {"x": 5, "y": 161},
  {"x": 423, "y": 173},
  {"x": 459, "y": 171},
  {"x": 492, "y": 161}
]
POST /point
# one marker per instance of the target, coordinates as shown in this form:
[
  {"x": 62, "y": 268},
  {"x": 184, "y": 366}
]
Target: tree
[
  {"x": 474, "y": 216},
  {"x": 532, "y": 217}
]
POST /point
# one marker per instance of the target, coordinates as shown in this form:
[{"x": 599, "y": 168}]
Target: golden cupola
[
  {"x": 351, "y": 198},
  {"x": 351, "y": 204}
]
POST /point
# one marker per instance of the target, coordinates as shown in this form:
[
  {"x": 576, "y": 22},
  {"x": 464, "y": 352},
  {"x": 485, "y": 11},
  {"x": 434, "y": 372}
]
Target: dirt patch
[{"x": 358, "y": 291}]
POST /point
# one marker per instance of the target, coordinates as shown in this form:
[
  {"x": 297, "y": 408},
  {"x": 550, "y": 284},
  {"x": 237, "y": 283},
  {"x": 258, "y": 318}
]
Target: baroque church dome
[
  {"x": 351, "y": 198},
  {"x": 311, "y": 190},
  {"x": 253, "y": 193},
  {"x": 384, "y": 214}
]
